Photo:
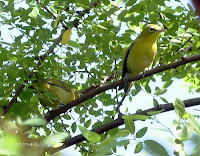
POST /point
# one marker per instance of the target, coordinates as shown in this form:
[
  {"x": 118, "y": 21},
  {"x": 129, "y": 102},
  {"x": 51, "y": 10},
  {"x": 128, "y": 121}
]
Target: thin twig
[
  {"x": 61, "y": 21},
  {"x": 188, "y": 40},
  {"x": 122, "y": 100}
]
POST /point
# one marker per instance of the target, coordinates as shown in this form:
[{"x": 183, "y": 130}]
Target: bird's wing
[
  {"x": 59, "y": 84},
  {"x": 125, "y": 70}
]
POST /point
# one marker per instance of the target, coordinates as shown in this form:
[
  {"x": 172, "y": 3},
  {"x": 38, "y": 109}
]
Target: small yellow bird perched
[
  {"x": 141, "y": 53},
  {"x": 55, "y": 93}
]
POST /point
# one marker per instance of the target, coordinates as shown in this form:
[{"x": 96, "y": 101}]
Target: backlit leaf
[{"x": 66, "y": 36}]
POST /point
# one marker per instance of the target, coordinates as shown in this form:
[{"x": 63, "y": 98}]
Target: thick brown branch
[
  {"x": 118, "y": 122},
  {"x": 93, "y": 86},
  {"x": 52, "y": 114}
]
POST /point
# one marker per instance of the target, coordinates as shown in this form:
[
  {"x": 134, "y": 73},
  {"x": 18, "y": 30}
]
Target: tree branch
[
  {"x": 187, "y": 49},
  {"x": 184, "y": 60},
  {"x": 43, "y": 57},
  {"x": 19, "y": 90},
  {"x": 118, "y": 122},
  {"x": 61, "y": 21}
]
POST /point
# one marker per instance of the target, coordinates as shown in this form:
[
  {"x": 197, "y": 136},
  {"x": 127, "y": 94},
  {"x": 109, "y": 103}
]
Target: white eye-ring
[
  {"x": 151, "y": 29},
  {"x": 79, "y": 95}
]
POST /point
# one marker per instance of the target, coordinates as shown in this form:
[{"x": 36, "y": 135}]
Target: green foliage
[
  {"x": 89, "y": 135},
  {"x": 179, "y": 107},
  {"x": 192, "y": 123},
  {"x": 130, "y": 125},
  {"x": 155, "y": 148},
  {"x": 154, "y": 112},
  {"x": 93, "y": 56},
  {"x": 111, "y": 142},
  {"x": 159, "y": 91},
  {"x": 141, "y": 132},
  {"x": 35, "y": 122},
  {"x": 136, "y": 117},
  {"x": 9, "y": 141},
  {"x": 53, "y": 140},
  {"x": 138, "y": 147}
]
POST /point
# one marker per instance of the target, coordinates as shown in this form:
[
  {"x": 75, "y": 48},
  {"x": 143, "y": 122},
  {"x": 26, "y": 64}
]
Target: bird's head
[{"x": 151, "y": 32}]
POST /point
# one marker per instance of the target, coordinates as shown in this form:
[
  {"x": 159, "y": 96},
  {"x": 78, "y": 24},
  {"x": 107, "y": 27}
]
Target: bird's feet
[{"x": 144, "y": 72}]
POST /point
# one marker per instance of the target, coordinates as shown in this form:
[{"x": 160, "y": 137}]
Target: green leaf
[
  {"x": 136, "y": 90},
  {"x": 159, "y": 2},
  {"x": 167, "y": 83},
  {"x": 82, "y": 120},
  {"x": 164, "y": 100},
  {"x": 155, "y": 103},
  {"x": 130, "y": 125},
  {"x": 131, "y": 2},
  {"x": 122, "y": 133},
  {"x": 178, "y": 141},
  {"x": 46, "y": 2},
  {"x": 101, "y": 26},
  {"x": 192, "y": 122},
  {"x": 74, "y": 127},
  {"x": 136, "y": 117},
  {"x": 57, "y": 19},
  {"x": 141, "y": 132},
  {"x": 34, "y": 12},
  {"x": 66, "y": 36},
  {"x": 122, "y": 14},
  {"x": 109, "y": 113},
  {"x": 35, "y": 122},
  {"x": 106, "y": 2},
  {"x": 183, "y": 132},
  {"x": 88, "y": 123},
  {"x": 138, "y": 147},
  {"x": 67, "y": 117},
  {"x": 155, "y": 112},
  {"x": 89, "y": 135},
  {"x": 159, "y": 91},
  {"x": 107, "y": 141},
  {"x": 124, "y": 142},
  {"x": 110, "y": 142},
  {"x": 10, "y": 144},
  {"x": 155, "y": 148},
  {"x": 179, "y": 107},
  {"x": 147, "y": 88},
  {"x": 52, "y": 140}
]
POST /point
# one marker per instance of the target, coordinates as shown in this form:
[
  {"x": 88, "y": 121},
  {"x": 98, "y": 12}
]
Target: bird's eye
[
  {"x": 79, "y": 95},
  {"x": 151, "y": 29}
]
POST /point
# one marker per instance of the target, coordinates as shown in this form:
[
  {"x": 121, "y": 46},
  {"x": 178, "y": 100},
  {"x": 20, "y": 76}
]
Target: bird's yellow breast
[
  {"x": 140, "y": 57},
  {"x": 141, "y": 53}
]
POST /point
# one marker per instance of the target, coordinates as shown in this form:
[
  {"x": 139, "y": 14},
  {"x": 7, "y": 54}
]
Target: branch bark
[
  {"x": 118, "y": 122},
  {"x": 184, "y": 60}
]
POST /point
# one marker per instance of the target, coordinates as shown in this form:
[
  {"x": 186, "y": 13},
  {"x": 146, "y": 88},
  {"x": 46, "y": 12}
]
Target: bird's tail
[
  {"x": 121, "y": 87},
  {"x": 126, "y": 86}
]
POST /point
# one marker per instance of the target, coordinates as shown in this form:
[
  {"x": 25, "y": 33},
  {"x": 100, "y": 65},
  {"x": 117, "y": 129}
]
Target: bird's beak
[{"x": 161, "y": 30}]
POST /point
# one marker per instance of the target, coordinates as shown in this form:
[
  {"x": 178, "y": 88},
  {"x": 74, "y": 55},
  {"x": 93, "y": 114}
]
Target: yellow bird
[
  {"x": 141, "y": 53},
  {"x": 54, "y": 93}
]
